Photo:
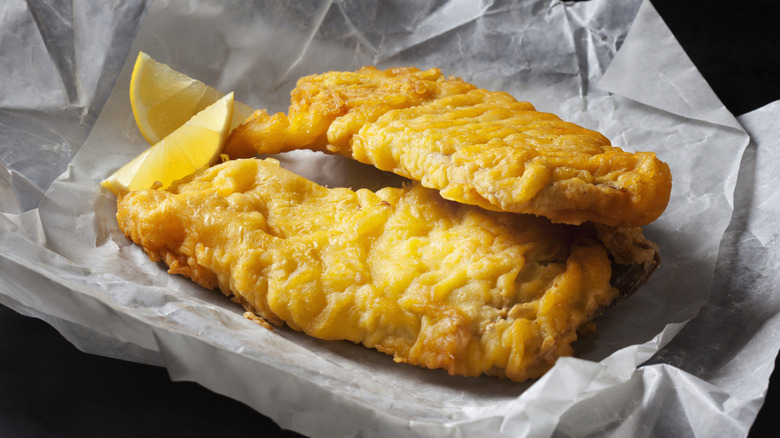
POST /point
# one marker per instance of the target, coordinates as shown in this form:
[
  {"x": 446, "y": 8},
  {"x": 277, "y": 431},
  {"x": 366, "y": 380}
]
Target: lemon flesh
[
  {"x": 163, "y": 99},
  {"x": 195, "y": 144}
]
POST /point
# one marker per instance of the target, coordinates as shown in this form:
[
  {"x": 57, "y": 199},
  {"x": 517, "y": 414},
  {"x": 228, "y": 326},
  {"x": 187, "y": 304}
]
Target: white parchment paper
[{"x": 609, "y": 65}]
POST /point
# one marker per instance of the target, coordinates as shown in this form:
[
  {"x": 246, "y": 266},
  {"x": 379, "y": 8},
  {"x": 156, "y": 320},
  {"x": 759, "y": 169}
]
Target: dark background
[{"x": 49, "y": 388}]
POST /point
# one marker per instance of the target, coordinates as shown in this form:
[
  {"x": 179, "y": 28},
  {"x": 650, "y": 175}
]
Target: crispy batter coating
[
  {"x": 476, "y": 146},
  {"x": 434, "y": 283}
]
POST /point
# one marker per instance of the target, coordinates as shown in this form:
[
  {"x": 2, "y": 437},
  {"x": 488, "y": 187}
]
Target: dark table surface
[{"x": 49, "y": 388}]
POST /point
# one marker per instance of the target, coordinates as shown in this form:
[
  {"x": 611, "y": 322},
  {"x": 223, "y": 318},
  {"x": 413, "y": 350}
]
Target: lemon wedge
[
  {"x": 163, "y": 99},
  {"x": 195, "y": 144}
]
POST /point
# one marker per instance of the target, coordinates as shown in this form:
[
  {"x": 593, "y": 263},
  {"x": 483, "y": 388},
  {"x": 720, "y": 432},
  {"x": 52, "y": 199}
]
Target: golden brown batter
[
  {"x": 476, "y": 146},
  {"x": 434, "y": 283}
]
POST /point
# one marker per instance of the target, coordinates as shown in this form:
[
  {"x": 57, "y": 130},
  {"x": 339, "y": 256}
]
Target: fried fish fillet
[
  {"x": 476, "y": 146},
  {"x": 435, "y": 283}
]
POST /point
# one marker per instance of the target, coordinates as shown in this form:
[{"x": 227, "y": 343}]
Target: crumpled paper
[{"x": 653, "y": 368}]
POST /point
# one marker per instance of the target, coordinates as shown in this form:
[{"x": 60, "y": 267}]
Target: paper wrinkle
[
  {"x": 90, "y": 281},
  {"x": 744, "y": 299},
  {"x": 654, "y": 75},
  {"x": 593, "y": 59},
  {"x": 359, "y": 35},
  {"x": 17, "y": 193},
  {"x": 60, "y": 60},
  {"x": 445, "y": 18},
  {"x": 28, "y": 224},
  {"x": 54, "y": 22},
  {"x": 320, "y": 16},
  {"x": 9, "y": 201}
]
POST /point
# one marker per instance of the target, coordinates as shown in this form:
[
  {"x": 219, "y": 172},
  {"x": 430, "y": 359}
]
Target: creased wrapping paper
[{"x": 608, "y": 65}]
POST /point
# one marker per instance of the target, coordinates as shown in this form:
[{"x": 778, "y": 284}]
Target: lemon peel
[
  {"x": 163, "y": 99},
  {"x": 194, "y": 145}
]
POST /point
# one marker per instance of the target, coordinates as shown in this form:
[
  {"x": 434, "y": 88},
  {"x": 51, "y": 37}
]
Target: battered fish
[
  {"x": 476, "y": 146},
  {"x": 434, "y": 283}
]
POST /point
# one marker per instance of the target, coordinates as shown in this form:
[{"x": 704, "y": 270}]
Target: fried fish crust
[
  {"x": 476, "y": 146},
  {"x": 432, "y": 282}
]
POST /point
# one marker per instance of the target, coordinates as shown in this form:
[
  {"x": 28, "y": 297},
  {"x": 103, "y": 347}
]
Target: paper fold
[{"x": 643, "y": 71}]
